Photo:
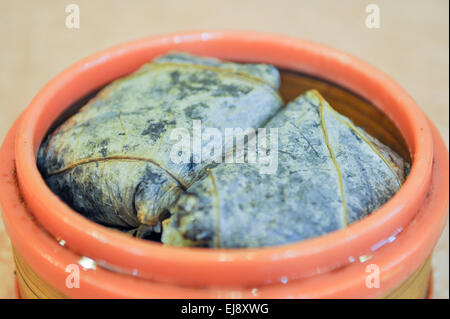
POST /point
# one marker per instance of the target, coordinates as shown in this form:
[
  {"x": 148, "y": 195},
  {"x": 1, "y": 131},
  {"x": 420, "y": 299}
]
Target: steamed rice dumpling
[
  {"x": 111, "y": 160},
  {"x": 330, "y": 174}
]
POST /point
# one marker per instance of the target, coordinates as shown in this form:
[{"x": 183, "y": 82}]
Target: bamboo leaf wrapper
[
  {"x": 330, "y": 174},
  {"x": 110, "y": 161}
]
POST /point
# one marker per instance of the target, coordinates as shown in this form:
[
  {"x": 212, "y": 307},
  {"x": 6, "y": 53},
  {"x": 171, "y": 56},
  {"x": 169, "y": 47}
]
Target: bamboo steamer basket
[{"x": 398, "y": 238}]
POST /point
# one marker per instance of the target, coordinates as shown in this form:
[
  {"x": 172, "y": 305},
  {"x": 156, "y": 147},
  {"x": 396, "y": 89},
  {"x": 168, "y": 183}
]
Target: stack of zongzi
[{"x": 113, "y": 161}]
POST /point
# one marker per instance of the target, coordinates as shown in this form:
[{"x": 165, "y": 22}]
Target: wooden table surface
[{"x": 411, "y": 46}]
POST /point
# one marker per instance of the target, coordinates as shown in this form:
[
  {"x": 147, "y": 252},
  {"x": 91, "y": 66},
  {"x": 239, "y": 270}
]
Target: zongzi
[
  {"x": 111, "y": 160},
  {"x": 330, "y": 174}
]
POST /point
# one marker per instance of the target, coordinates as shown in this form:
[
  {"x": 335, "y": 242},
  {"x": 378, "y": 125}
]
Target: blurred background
[{"x": 411, "y": 44}]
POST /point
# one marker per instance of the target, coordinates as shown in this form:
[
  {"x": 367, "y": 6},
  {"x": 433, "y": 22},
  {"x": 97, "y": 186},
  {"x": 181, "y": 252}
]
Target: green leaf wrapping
[
  {"x": 330, "y": 174},
  {"x": 110, "y": 161}
]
